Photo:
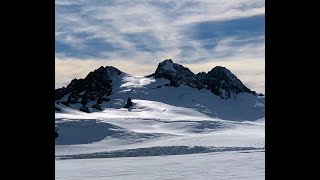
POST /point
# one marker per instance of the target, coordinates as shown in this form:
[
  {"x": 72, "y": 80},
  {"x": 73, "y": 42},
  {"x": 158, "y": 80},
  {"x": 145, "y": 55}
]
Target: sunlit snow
[{"x": 163, "y": 123}]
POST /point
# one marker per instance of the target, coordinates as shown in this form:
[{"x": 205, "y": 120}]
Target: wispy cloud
[{"x": 192, "y": 32}]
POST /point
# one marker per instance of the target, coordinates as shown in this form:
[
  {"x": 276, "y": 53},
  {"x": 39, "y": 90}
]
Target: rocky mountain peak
[
  {"x": 94, "y": 88},
  {"x": 174, "y": 72},
  {"x": 227, "y": 81},
  {"x": 167, "y": 60},
  {"x": 222, "y": 73},
  {"x": 166, "y": 65},
  {"x": 220, "y": 80},
  {"x": 104, "y": 72}
]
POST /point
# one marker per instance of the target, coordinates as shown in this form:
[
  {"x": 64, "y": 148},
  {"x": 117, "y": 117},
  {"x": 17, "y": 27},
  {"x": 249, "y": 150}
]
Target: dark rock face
[
  {"x": 220, "y": 81},
  {"x": 84, "y": 109},
  {"x": 94, "y": 87},
  {"x": 129, "y": 103},
  {"x": 97, "y": 106},
  {"x": 176, "y": 73}
]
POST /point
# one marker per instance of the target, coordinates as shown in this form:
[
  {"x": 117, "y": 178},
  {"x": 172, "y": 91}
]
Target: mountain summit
[
  {"x": 217, "y": 93},
  {"x": 95, "y": 87},
  {"x": 220, "y": 81}
]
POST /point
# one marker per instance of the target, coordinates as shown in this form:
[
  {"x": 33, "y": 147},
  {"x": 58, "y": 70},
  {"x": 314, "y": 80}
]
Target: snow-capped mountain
[
  {"x": 173, "y": 111},
  {"x": 218, "y": 93}
]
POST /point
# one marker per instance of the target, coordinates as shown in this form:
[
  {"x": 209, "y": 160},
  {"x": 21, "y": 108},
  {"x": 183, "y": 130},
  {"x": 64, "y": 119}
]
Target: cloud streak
[{"x": 143, "y": 33}]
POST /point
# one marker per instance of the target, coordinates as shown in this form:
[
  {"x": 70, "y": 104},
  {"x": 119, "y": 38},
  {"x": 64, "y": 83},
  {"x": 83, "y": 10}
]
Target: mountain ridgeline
[
  {"x": 97, "y": 87},
  {"x": 220, "y": 81}
]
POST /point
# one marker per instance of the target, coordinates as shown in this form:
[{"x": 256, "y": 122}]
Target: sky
[{"x": 135, "y": 36}]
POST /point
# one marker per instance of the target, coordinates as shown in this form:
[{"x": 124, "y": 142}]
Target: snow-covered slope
[
  {"x": 217, "y": 166},
  {"x": 218, "y": 93},
  {"x": 174, "y": 112},
  {"x": 140, "y": 137},
  {"x": 150, "y": 124},
  {"x": 161, "y": 115},
  {"x": 243, "y": 106}
]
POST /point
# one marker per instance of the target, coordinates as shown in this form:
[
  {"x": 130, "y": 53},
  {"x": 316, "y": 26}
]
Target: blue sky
[{"x": 135, "y": 36}]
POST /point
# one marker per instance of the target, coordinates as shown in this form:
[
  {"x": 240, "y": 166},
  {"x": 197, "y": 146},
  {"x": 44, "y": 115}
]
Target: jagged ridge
[
  {"x": 220, "y": 81},
  {"x": 95, "y": 87}
]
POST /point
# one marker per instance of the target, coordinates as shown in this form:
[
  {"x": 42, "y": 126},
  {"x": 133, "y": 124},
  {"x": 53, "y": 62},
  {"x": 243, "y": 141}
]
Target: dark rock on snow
[{"x": 129, "y": 103}]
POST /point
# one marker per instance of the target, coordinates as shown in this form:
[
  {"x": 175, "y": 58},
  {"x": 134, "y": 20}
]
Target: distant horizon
[{"x": 135, "y": 36}]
